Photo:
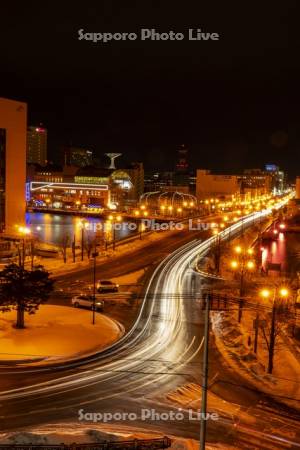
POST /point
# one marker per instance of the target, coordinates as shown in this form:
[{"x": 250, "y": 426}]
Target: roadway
[{"x": 161, "y": 352}]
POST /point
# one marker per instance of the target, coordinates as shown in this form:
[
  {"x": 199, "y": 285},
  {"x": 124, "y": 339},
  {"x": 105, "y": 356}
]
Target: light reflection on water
[{"x": 52, "y": 228}]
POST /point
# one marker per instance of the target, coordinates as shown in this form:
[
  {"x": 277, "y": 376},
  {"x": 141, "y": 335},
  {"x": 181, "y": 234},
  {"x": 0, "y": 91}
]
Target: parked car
[
  {"x": 87, "y": 301},
  {"x": 107, "y": 286}
]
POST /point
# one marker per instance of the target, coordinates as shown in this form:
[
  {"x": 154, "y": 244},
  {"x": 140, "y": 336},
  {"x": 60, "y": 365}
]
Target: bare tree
[
  {"x": 89, "y": 244},
  {"x": 63, "y": 246},
  {"x": 273, "y": 326}
]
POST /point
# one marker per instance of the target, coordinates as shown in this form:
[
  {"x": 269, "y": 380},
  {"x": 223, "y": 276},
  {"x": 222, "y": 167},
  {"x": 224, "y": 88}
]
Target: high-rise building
[
  {"x": 37, "y": 145},
  {"x": 13, "y": 125},
  {"x": 181, "y": 175},
  {"x": 298, "y": 188},
  {"x": 278, "y": 178},
  {"x": 77, "y": 156}
]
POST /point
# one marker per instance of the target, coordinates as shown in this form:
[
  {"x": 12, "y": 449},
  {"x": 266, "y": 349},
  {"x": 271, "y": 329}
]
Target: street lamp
[
  {"x": 280, "y": 293},
  {"x": 113, "y": 220},
  {"x": 94, "y": 255},
  {"x": 242, "y": 266},
  {"x": 24, "y": 231},
  {"x": 82, "y": 224}
]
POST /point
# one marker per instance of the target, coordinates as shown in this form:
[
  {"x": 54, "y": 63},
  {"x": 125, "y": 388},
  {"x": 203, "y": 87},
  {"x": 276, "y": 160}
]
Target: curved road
[{"x": 161, "y": 352}]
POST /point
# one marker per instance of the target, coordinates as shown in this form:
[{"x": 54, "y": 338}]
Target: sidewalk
[
  {"x": 235, "y": 341},
  {"x": 57, "y": 266}
]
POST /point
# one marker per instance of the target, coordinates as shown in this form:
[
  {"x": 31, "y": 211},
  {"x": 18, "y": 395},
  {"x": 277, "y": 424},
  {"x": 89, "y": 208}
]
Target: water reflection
[
  {"x": 52, "y": 228},
  {"x": 275, "y": 252}
]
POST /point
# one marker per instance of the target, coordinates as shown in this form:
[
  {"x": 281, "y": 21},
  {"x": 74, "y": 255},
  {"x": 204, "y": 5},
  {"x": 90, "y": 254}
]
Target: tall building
[
  {"x": 77, "y": 156},
  {"x": 13, "y": 125},
  {"x": 37, "y": 145},
  {"x": 181, "y": 175},
  {"x": 278, "y": 178},
  {"x": 255, "y": 182},
  {"x": 298, "y": 188}
]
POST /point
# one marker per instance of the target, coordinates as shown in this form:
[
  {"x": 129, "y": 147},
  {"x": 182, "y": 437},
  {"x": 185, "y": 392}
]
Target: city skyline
[{"x": 149, "y": 226}]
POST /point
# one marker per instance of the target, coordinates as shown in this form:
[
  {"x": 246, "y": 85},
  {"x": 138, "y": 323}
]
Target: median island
[{"x": 55, "y": 333}]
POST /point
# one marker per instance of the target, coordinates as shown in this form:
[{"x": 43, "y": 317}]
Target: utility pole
[
  {"x": 205, "y": 375},
  {"x": 272, "y": 340},
  {"x": 32, "y": 253},
  {"x": 82, "y": 242},
  {"x": 23, "y": 252},
  {"x": 241, "y": 301},
  {"x": 94, "y": 255},
  {"x": 256, "y": 331},
  {"x": 74, "y": 248}
]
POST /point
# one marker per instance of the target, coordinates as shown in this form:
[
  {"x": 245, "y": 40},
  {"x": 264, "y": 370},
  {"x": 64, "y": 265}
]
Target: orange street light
[
  {"x": 250, "y": 265},
  {"x": 284, "y": 292},
  {"x": 265, "y": 293},
  {"x": 234, "y": 264}
]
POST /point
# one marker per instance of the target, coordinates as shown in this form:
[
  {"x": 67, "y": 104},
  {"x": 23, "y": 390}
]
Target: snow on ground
[
  {"x": 58, "y": 267},
  {"x": 130, "y": 278},
  {"x": 69, "y": 433},
  {"x": 55, "y": 332},
  {"x": 189, "y": 396},
  {"x": 230, "y": 338}
]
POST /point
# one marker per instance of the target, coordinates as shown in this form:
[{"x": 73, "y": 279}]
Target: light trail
[{"x": 158, "y": 329}]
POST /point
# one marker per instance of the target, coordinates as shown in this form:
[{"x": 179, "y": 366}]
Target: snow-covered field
[{"x": 55, "y": 332}]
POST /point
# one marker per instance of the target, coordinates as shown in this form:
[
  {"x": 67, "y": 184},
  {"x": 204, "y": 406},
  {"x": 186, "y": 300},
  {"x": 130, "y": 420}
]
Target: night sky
[{"x": 227, "y": 100}]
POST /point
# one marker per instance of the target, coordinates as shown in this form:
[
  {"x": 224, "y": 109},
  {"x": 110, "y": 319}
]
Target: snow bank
[
  {"x": 230, "y": 341},
  {"x": 69, "y": 433}
]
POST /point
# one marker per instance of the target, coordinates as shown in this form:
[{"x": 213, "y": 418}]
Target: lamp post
[
  {"x": 94, "y": 255},
  {"x": 24, "y": 231},
  {"x": 278, "y": 294},
  {"x": 113, "y": 221},
  {"x": 242, "y": 265},
  {"x": 82, "y": 224},
  {"x": 82, "y": 242}
]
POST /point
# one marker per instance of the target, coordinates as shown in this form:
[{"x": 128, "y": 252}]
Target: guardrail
[{"x": 137, "y": 444}]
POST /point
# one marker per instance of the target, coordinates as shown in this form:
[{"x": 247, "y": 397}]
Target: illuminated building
[
  {"x": 37, "y": 145},
  {"x": 277, "y": 178},
  {"x": 73, "y": 187},
  {"x": 181, "y": 175},
  {"x": 298, "y": 188},
  {"x": 69, "y": 195},
  {"x": 69, "y": 187},
  {"x": 254, "y": 183},
  {"x": 13, "y": 126},
  {"x": 211, "y": 185}
]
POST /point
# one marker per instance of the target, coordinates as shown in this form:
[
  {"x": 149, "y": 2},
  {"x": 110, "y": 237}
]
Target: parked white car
[
  {"x": 107, "y": 286},
  {"x": 87, "y": 301}
]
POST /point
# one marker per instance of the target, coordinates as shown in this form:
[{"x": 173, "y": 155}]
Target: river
[{"x": 53, "y": 228}]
